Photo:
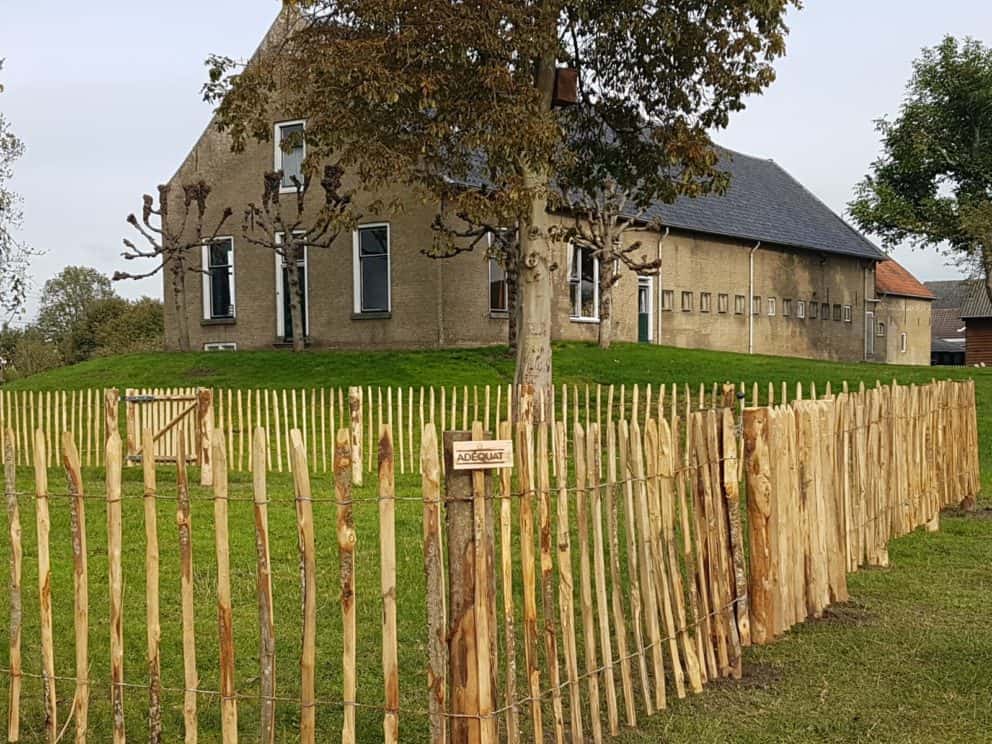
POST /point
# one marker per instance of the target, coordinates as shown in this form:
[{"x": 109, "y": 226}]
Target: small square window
[
  {"x": 739, "y": 304},
  {"x": 800, "y": 309},
  {"x": 687, "y": 302},
  {"x": 814, "y": 310},
  {"x": 756, "y": 305},
  {"x": 786, "y": 308},
  {"x": 825, "y": 311},
  {"x": 847, "y": 314},
  {"x": 667, "y": 300},
  {"x": 705, "y": 301},
  {"x": 723, "y": 303},
  {"x": 771, "y": 306}
]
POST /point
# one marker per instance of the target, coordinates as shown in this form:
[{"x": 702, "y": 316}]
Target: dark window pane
[
  {"x": 219, "y": 253},
  {"x": 286, "y": 312},
  {"x": 497, "y": 288},
  {"x": 220, "y": 293},
  {"x": 373, "y": 241},
  {"x": 375, "y": 283}
]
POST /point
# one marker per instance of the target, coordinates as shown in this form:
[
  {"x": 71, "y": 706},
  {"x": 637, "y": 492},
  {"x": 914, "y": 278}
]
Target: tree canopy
[
  {"x": 432, "y": 94},
  {"x": 13, "y": 253},
  {"x": 65, "y": 300},
  {"x": 932, "y": 185}
]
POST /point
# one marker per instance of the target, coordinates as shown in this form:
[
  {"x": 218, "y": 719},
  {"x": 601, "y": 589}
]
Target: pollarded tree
[
  {"x": 932, "y": 186},
  {"x": 170, "y": 248},
  {"x": 13, "y": 253},
  {"x": 285, "y": 229},
  {"x": 426, "y": 92}
]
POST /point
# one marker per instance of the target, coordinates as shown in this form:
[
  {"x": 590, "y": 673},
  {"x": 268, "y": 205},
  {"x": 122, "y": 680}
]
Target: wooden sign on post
[{"x": 482, "y": 455}]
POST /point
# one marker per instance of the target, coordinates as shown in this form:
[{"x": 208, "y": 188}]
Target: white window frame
[
  {"x": 648, "y": 282},
  {"x": 357, "y": 269},
  {"x": 772, "y": 306},
  {"x": 280, "y": 313},
  {"x": 903, "y": 342},
  {"x": 847, "y": 314},
  {"x": 870, "y": 336},
  {"x": 208, "y": 285},
  {"x": 220, "y": 346},
  {"x": 801, "y": 309},
  {"x": 573, "y": 316},
  {"x": 277, "y": 159}
]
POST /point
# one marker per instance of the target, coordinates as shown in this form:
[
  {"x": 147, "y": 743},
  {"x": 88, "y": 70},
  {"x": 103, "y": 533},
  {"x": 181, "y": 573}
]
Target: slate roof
[
  {"x": 977, "y": 304},
  {"x": 951, "y": 293},
  {"x": 946, "y": 323},
  {"x": 892, "y": 278},
  {"x": 764, "y": 202}
]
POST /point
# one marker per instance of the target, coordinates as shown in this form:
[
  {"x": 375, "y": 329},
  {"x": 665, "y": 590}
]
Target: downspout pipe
[
  {"x": 749, "y": 308},
  {"x": 657, "y": 300}
]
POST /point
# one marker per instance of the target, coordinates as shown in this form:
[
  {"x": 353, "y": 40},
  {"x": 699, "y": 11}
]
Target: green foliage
[
  {"x": 65, "y": 300},
  {"x": 25, "y": 352},
  {"x": 13, "y": 254},
  {"x": 115, "y": 326},
  {"x": 932, "y": 186}
]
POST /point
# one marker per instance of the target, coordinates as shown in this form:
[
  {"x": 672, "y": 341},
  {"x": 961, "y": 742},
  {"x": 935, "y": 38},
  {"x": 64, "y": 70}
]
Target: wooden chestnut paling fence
[{"x": 604, "y": 575}]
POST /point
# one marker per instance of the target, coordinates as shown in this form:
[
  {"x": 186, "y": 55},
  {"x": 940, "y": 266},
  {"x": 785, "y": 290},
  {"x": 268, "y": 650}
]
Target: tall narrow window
[
  {"x": 837, "y": 312},
  {"x": 722, "y": 303},
  {"x": 705, "y": 302},
  {"x": 848, "y": 316},
  {"x": 870, "y": 334},
  {"x": 786, "y": 308},
  {"x": 756, "y": 305},
  {"x": 372, "y": 270},
  {"x": 583, "y": 279},
  {"x": 903, "y": 342},
  {"x": 218, "y": 279},
  {"x": 687, "y": 302},
  {"x": 499, "y": 303},
  {"x": 814, "y": 310},
  {"x": 801, "y": 309},
  {"x": 825, "y": 311},
  {"x": 739, "y": 304},
  {"x": 291, "y": 149},
  {"x": 771, "y": 305},
  {"x": 667, "y": 299},
  {"x": 284, "y": 317}
]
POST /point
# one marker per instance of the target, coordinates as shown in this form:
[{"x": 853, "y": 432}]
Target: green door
[{"x": 644, "y": 310}]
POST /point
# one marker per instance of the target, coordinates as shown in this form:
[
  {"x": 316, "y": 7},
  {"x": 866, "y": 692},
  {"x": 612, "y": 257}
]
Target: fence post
[
  {"x": 205, "y": 434},
  {"x": 16, "y": 554},
  {"x": 462, "y": 650},
  {"x": 355, "y": 404}
]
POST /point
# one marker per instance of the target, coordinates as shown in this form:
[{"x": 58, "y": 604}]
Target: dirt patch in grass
[
  {"x": 198, "y": 373},
  {"x": 756, "y": 676},
  {"x": 851, "y": 614},
  {"x": 979, "y": 513}
]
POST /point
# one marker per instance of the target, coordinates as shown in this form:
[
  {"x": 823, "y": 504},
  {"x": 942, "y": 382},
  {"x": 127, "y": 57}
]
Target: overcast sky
[{"x": 105, "y": 95}]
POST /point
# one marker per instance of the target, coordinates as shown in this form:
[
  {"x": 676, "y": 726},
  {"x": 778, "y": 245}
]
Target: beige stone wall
[
  {"x": 697, "y": 264},
  {"x": 446, "y": 302},
  {"x": 909, "y": 316}
]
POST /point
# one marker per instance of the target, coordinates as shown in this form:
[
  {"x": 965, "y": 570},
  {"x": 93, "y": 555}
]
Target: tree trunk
[
  {"x": 291, "y": 262},
  {"x": 513, "y": 308},
  {"x": 605, "y": 314},
  {"x": 536, "y": 260},
  {"x": 179, "y": 298}
]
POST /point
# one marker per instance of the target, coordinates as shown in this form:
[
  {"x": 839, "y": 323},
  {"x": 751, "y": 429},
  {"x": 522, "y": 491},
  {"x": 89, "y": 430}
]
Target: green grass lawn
[{"x": 905, "y": 661}]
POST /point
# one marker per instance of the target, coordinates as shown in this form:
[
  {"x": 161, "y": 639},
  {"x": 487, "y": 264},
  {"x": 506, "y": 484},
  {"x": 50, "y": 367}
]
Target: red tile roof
[{"x": 893, "y": 279}]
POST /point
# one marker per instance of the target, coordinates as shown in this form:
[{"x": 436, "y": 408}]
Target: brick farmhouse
[{"x": 766, "y": 268}]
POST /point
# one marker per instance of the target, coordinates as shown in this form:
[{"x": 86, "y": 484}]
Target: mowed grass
[{"x": 905, "y": 661}]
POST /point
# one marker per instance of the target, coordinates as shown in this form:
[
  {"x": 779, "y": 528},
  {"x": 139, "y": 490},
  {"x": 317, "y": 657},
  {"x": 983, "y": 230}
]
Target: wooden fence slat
[
  {"x": 74, "y": 477},
  {"x": 346, "y": 556},
  {"x": 153, "y": 629},
  {"x": 115, "y": 578},
  {"x": 266, "y": 622},
  {"x": 308, "y": 601},
  {"x": 191, "y": 679},
  {"x": 16, "y": 556},
  {"x": 547, "y": 586},
  {"x": 483, "y": 595},
  {"x": 387, "y": 572},
  {"x": 43, "y": 525},
  {"x": 437, "y": 662},
  {"x": 225, "y": 621},
  {"x": 525, "y": 466}
]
